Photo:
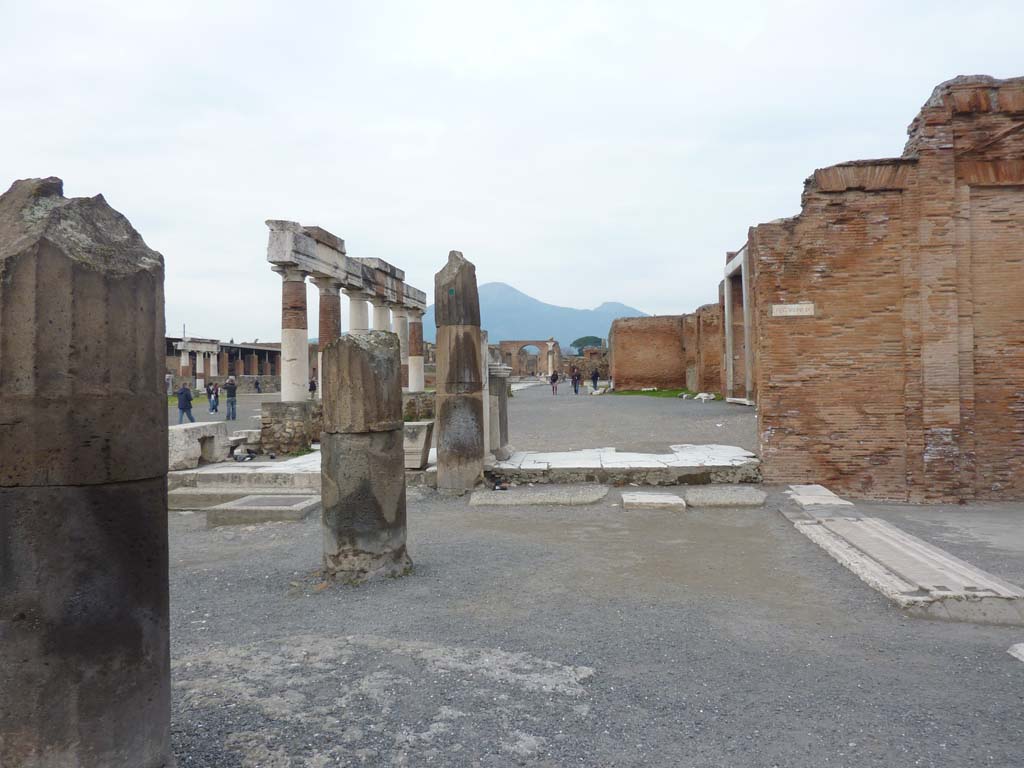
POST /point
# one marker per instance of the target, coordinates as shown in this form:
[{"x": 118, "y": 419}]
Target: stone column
[
  {"x": 186, "y": 364},
  {"x": 330, "y": 321},
  {"x": 499, "y": 409},
  {"x": 358, "y": 315},
  {"x": 381, "y": 314},
  {"x": 551, "y": 358},
  {"x": 400, "y": 319},
  {"x": 460, "y": 419},
  {"x": 416, "y": 382},
  {"x": 363, "y": 459},
  {"x": 84, "y": 662},
  {"x": 294, "y": 336},
  {"x": 485, "y": 392},
  {"x": 213, "y": 365}
]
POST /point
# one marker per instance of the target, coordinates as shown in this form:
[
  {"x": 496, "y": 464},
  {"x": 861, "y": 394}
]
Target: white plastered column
[
  {"x": 416, "y": 380},
  {"x": 358, "y": 312},
  {"x": 400, "y": 321},
  {"x": 294, "y": 336},
  {"x": 381, "y": 314}
]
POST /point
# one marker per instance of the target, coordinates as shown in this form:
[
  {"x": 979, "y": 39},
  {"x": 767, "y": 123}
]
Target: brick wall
[
  {"x": 907, "y": 382},
  {"x": 647, "y": 352},
  {"x": 709, "y": 348}
]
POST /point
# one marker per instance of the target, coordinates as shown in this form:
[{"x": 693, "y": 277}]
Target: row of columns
[{"x": 407, "y": 323}]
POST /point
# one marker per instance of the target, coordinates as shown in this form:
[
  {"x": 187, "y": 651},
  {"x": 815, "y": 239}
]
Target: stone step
[
  {"x": 211, "y": 495},
  {"x": 263, "y": 508},
  {"x": 919, "y": 577},
  {"x": 685, "y": 465},
  {"x": 252, "y": 476}
]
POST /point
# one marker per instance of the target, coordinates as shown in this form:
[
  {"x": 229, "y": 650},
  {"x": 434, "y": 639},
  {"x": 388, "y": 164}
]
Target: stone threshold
[
  {"x": 686, "y": 464},
  {"x": 918, "y": 577}
]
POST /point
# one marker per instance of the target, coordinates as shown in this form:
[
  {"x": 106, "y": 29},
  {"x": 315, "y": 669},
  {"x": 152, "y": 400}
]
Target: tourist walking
[
  {"x": 209, "y": 397},
  {"x": 554, "y": 383},
  {"x": 257, "y": 385},
  {"x": 312, "y": 388},
  {"x": 215, "y": 398},
  {"x": 594, "y": 377},
  {"x": 185, "y": 404},
  {"x": 230, "y": 390},
  {"x": 577, "y": 379}
]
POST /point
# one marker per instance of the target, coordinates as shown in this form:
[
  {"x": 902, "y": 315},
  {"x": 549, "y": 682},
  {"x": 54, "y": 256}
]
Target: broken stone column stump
[
  {"x": 84, "y": 651},
  {"x": 363, "y": 459},
  {"x": 460, "y": 405}
]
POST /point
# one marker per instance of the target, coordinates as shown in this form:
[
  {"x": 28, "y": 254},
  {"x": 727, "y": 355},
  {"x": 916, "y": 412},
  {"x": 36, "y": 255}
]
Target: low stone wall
[
  {"x": 290, "y": 427},
  {"x": 246, "y": 384},
  {"x": 418, "y": 406},
  {"x": 188, "y": 444}
]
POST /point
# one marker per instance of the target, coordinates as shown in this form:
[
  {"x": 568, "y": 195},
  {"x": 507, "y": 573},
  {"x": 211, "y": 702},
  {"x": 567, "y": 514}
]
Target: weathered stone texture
[
  {"x": 460, "y": 417},
  {"x": 363, "y": 459},
  {"x": 84, "y": 664},
  {"x": 289, "y": 427},
  {"x": 362, "y": 384},
  {"x": 906, "y": 381},
  {"x": 647, "y": 352}
]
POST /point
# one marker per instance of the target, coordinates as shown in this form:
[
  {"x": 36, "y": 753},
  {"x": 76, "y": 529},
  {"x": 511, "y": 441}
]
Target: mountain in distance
[{"x": 507, "y": 314}]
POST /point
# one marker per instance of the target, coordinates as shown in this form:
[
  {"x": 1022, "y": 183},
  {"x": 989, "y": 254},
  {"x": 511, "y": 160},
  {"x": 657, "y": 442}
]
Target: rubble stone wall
[
  {"x": 290, "y": 427},
  {"x": 907, "y": 379}
]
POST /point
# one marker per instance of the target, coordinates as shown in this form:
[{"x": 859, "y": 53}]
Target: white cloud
[{"x": 583, "y": 152}]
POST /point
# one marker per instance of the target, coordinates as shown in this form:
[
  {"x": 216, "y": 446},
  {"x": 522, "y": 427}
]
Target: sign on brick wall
[{"x": 804, "y": 309}]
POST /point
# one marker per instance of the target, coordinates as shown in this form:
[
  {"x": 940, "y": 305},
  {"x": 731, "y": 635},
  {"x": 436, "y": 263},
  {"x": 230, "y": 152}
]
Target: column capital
[
  {"x": 415, "y": 314},
  {"x": 379, "y": 301},
  {"x": 290, "y": 274},
  {"x": 327, "y": 284},
  {"x": 355, "y": 294},
  {"x": 398, "y": 310},
  {"x": 499, "y": 370}
]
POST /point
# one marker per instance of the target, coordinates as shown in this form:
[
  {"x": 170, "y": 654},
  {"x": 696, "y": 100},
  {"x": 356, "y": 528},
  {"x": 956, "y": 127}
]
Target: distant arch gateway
[{"x": 549, "y": 358}]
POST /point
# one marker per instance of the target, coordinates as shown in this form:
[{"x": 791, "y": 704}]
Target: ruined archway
[{"x": 549, "y": 357}]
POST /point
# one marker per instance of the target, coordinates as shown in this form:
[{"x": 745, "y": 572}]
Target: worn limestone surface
[
  {"x": 363, "y": 459},
  {"x": 84, "y": 664},
  {"x": 187, "y": 444},
  {"x": 460, "y": 405}
]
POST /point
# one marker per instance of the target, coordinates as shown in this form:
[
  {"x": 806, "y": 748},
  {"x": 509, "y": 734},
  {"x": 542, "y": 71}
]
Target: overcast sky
[{"x": 582, "y": 152}]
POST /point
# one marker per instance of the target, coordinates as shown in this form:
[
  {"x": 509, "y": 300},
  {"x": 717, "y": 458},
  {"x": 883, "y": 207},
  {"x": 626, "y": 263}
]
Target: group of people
[
  {"x": 230, "y": 389},
  {"x": 576, "y": 376}
]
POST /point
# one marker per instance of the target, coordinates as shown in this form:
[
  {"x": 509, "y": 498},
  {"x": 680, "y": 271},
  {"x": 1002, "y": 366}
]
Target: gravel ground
[
  {"x": 557, "y": 636},
  {"x": 540, "y": 421}
]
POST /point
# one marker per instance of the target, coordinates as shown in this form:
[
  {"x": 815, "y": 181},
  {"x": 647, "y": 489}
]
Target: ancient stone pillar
[
  {"x": 363, "y": 459},
  {"x": 416, "y": 382},
  {"x": 551, "y": 358},
  {"x": 330, "y": 321},
  {"x": 400, "y": 316},
  {"x": 186, "y": 364},
  {"x": 84, "y": 663},
  {"x": 485, "y": 392},
  {"x": 294, "y": 335},
  {"x": 381, "y": 314},
  {"x": 358, "y": 315},
  {"x": 460, "y": 419},
  {"x": 213, "y": 365},
  {"x": 498, "y": 384}
]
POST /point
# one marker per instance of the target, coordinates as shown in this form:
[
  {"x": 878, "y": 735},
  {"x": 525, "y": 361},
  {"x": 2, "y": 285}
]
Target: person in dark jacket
[
  {"x": 594, "y": 376},
  {"x": 312, "y": 388},
  {"x": 185, "y": 404},
  {"x": 554, "y": 383},
  {"x": 230, "y": 389}
]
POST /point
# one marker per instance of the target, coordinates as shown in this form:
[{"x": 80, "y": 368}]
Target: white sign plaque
[{"x": 804, "y": 309}]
